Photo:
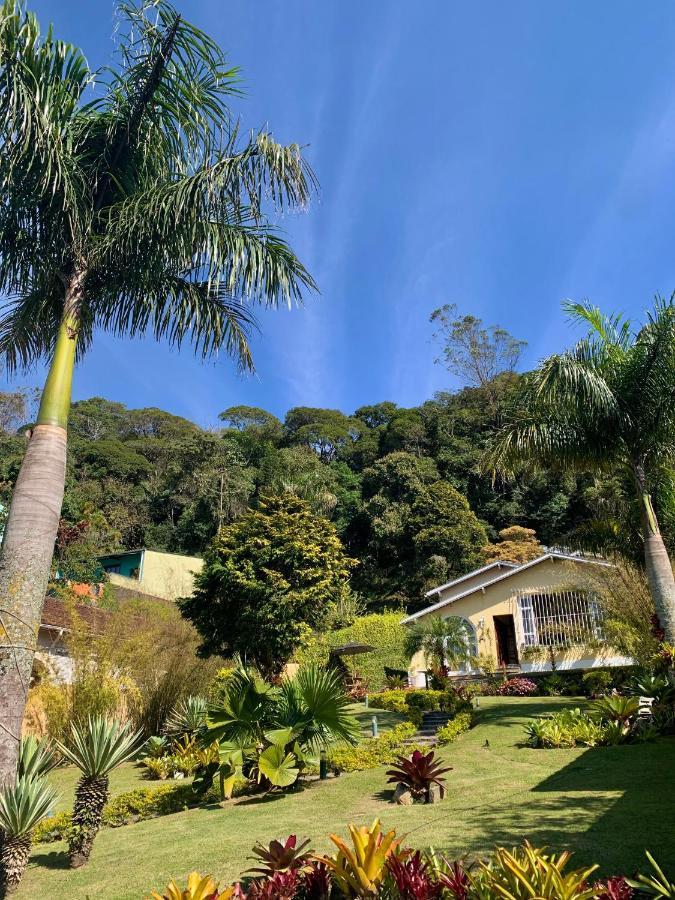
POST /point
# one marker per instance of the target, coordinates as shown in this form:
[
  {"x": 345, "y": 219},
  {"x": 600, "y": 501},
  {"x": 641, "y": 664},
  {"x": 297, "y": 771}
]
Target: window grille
[{"x": 555, "y": 618}]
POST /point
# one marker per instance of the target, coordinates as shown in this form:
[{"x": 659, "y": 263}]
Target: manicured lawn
[{"x": 607, "y": 805}]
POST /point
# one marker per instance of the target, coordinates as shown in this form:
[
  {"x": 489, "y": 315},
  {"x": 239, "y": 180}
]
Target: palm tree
[
  {"x": 608, "y": 404},
  {"x": 443, "y": 641},
  {"x": 96, "y": 749},
  {"x": 130, "y": 203},
  {"x": 22, "y": 806}
]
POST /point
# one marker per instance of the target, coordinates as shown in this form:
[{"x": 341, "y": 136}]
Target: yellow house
[
  {"x": 519, "y": 615},
  {"x": 155, "y": 574}
]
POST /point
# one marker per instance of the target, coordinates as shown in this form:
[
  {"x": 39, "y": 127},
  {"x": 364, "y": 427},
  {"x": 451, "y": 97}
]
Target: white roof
[
  {"x": 493, "y": 565},
  {"x": 481, "y": 587}
]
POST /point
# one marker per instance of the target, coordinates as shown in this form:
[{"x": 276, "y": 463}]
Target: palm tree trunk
[
  {"x": 657, "y": 561},
  {"x": 30, "y": 533}
]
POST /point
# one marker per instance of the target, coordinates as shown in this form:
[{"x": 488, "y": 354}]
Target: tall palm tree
[
  {"x": 608, "y": 404},
  {"x": 129, "y": 203}
]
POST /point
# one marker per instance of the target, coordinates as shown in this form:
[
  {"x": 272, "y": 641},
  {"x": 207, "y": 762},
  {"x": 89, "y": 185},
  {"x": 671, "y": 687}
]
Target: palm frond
[
  {"x": 23, "y": 804},
  {"x": 565, "y": 381},
  {"x": 610, "y": 329},
  {"x": 177, "y": 309},
  {"x": 553, "y": 442}
]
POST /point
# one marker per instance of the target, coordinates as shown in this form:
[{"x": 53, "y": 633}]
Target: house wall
[
  {"x": 166, "y": 575},
  {"x": 128, "y": 563},
  {"x": 502, "y": 599}
]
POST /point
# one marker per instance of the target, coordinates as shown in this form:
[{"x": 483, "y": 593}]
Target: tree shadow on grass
[
  {"x": 53, "y": 860},
  {"x": 503, "y": 716}
]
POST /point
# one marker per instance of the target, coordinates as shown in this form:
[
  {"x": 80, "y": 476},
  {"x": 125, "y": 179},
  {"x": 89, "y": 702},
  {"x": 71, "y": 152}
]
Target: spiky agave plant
[
  {"x": 96, "y": 748},
  {"x": 22, "y": 806},
  {"x": 187, "y": 717},
  {"x": 36, "y": 758}
]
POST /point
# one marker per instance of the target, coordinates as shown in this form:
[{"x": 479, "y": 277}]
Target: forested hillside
[{"x": 403, "y": 486}]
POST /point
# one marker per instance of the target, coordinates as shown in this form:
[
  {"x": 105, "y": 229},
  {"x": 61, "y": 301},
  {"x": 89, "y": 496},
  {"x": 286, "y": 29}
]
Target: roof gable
[{"x": 446, "y": 601}]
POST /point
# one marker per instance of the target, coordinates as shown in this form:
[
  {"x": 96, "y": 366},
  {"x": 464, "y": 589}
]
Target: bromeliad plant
[
  {"x": 96, "y": 748},
  {"x": 418, "y": 773},
  {"x": 278, "y": 857},
  {"x": 375, "y": 865},
  {"x": 22, "y": 806},
  {"x": 359, "y": 870}
]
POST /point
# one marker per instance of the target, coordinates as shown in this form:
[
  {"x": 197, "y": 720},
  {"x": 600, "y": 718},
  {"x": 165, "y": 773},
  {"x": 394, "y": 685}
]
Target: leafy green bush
[
  {"x": 381, "y": 630},
  {"x": 597, "y": 682},
  {"x": 373, "y": 752},
  {"x": 450, "y": 732},
  {"x": 414, "y": 703}
]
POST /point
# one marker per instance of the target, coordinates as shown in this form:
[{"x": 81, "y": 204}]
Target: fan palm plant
[
  {"x": 608, "y": 404},
  {"x": 314, "y": 705},
  {"x": 96, "y": 748},
  {"x": 138, "y": 207},
  {"x": 22, "y": 806},
  {"x": 445, "y": 642}
]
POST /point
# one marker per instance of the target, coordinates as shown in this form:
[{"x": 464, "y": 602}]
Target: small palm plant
[
  {"x": 96, "y": 748},
  {"x": 22, "y": 806}
]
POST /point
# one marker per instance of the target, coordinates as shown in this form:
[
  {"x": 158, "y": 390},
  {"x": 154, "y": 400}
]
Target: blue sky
[{"x": 501, "y": 156}]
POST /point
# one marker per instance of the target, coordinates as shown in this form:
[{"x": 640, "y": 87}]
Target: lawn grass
[{"x": 607, "y": 805}]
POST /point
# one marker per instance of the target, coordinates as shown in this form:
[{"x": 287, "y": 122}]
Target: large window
[{"x": 559, "y": 618}]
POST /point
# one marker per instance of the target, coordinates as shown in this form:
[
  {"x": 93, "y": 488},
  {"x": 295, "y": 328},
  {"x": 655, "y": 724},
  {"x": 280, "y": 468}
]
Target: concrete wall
[
  {"x": 502, "y": 599},
  {"x": 166, "y": 575},
  {"x": 52, "y": 652}
]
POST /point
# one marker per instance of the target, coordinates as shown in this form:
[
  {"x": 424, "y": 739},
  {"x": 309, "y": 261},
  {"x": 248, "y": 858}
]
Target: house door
[{"x": 507, "y": 648}]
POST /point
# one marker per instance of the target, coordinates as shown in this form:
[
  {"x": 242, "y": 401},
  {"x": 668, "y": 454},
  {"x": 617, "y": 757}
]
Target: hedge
[
  {"x": 132, "y": 806},
  {"x": 450, "y": 732},
  {"x": 373, "y": 752},
  {"x": 414, "y": 703},
  {"x": 381, "y": 630}
]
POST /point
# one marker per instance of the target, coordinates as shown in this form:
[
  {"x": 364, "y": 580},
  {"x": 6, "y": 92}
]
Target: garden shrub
[
  {"x": 450, "y": 732},
  {"x": 134, "y": 806},
  {"x": 381, "y": 630},
  {"x": 517, "y": 687},
  {"x": 597, "y": 682},
  {"x": 373, "y": 752},
  {"x": 415, "y": 703}
]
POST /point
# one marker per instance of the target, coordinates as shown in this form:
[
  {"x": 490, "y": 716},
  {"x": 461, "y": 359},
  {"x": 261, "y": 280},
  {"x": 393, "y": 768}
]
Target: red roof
[{"x": 56, "y": 614}]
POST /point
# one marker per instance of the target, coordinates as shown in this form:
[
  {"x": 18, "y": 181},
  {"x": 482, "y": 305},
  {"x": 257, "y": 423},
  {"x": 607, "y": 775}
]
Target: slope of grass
[{"x": 607, "y": 805}]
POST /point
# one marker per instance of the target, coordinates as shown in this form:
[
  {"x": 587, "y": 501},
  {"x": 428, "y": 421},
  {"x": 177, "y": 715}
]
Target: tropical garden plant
[
  {"x": 445, "y": 642},
  {"x": 273, "y": 733},
  {"x": 418, "y": 773},
  {"x": 22, "y": 806},
  {"x": 132, "y": 208},
  {"x": 187, "y": 717},
  {"x": 607, "y": 405},
  {"x": 96, "y": 748},
  {"x": 36, "y": 758},
  {"x": 375, "y": 864}
]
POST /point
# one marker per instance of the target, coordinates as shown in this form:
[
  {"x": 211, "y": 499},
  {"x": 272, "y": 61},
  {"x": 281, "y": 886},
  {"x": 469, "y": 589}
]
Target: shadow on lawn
[
  {"x": 505, "y": 716},
  {"x": 607, "y": 805},
  {"x": 54, "y": 860}
]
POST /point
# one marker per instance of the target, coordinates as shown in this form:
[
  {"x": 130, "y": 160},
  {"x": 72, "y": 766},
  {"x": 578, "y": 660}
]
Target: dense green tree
[
  {"x": 607, "y": 405},
  {"x": 267, "y": 577},
  {"x": 131, "y": 208},
  {"x": 326, "y": 431}
]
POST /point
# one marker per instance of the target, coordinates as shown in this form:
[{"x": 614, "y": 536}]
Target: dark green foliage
[
  {"x": 269, "y": 576},
  {"x": 381, "y": 630}
]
